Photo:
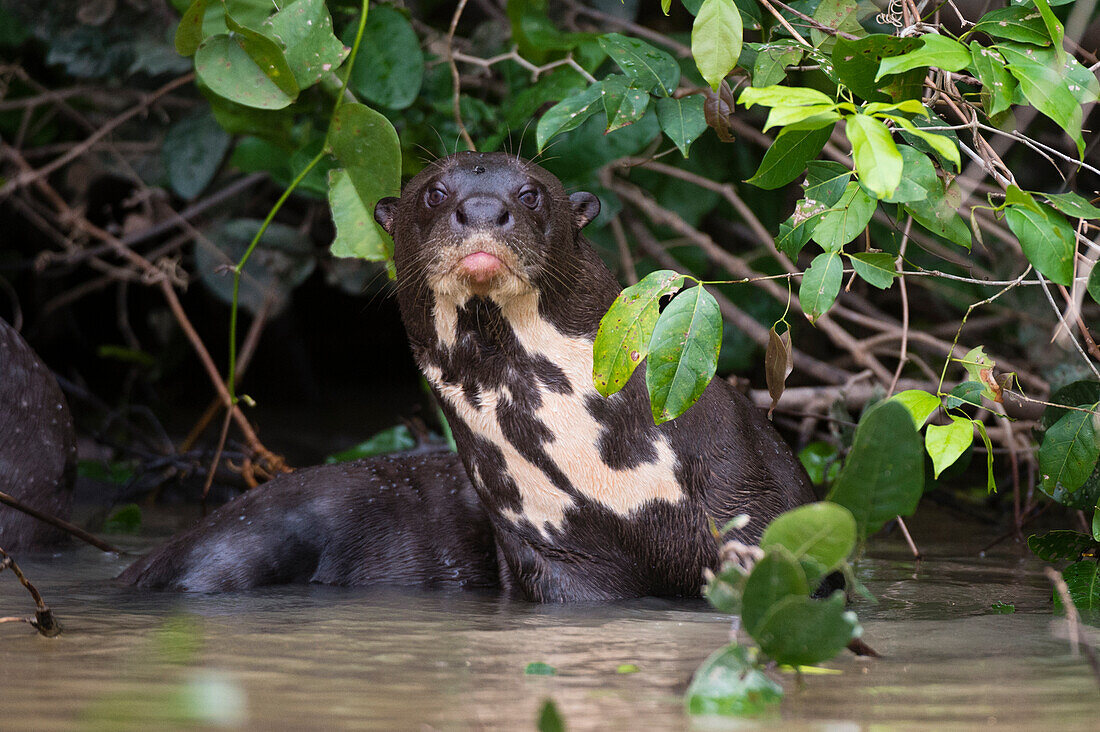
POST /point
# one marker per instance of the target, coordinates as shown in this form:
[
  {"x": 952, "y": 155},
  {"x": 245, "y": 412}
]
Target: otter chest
[{"x": 560, "y": 445}]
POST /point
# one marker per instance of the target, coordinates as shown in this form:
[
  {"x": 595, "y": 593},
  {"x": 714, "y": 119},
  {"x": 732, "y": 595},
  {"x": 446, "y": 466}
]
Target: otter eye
[
  {"x": 436, "y": 196},
  {"x": 529, "y": 197}
]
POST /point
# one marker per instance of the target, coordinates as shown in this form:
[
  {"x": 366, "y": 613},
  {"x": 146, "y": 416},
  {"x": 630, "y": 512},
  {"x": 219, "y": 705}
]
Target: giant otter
[
  {"x": 37, "y": 445},
  {"x": 578, "y": 497}
]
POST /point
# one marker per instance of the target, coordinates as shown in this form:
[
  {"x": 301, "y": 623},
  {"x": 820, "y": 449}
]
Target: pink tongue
[{"x": 480, "y": 266}]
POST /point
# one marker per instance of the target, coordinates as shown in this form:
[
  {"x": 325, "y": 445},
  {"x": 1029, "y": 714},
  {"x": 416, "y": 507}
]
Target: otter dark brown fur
[
  {"x": 573, "y": 496},
  {"x": 502, "y": 297},
  {"x": 37, "y": 445}
]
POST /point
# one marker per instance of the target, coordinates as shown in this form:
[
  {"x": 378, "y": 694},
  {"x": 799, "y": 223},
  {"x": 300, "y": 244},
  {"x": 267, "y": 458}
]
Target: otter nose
[{"x": 483, "y": 212}]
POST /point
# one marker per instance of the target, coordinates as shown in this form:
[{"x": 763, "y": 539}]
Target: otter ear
[
  {"x": 585, "y": 208},
  {"x": 385, "y": 213}
]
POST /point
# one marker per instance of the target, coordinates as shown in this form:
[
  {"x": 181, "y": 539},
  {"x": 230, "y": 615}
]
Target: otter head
[{"x": 483, "y": 224}]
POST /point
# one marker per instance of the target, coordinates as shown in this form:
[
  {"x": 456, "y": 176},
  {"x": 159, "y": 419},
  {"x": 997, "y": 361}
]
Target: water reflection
[{"x": 386, "y": 659}]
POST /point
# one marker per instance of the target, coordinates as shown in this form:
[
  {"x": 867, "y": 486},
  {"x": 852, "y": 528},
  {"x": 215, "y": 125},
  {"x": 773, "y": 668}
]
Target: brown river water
[{"x": 333, "y": 658}]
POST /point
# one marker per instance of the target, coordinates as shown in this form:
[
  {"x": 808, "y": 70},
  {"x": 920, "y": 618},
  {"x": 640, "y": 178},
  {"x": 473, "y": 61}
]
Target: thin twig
[
  {"x": 43, "y": 621},
  {"x": 456, "y": 80},
  {"x": 65, "y": 526}
]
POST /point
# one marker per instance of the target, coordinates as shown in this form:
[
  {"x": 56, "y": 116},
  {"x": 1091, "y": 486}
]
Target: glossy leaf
[
  {"x": 856, "y": 62},
  {"x": 939, "y": 214},
  {"x": 1047, "y": 240},
  {"x": 625, "y": 330},
  {"x": 1054, "y": 28},
  {"x": 357, "y": 233},
  {"x": 919, "y": 404},
  {"x": 729, "y": 683},
  {"x": 800, "y": 631},
  {"x": 1061, "y": 545},
  {"x": 193, "y": 150},
  {"x": 1069, "y": 451},
  {"x": 304, "y": 28},
  {"x": 775, "y": 577},
  {"x": 947, "y": 443},
  {"x": 884, "y": 474},
  {"x": 877, "y": 159},
  {"x": 650, "y": 68},
  {"x": 998, "y": 85},
  {"x": 820, "y": 285},
  {"x": 772, "y": 61},
  {"x": 623, "y": 104},
  {"x": 189, "y": 33},
  {"x": 783, "y": 96},
  {"x": 248, "y": 68},
  {"x": 683, "y": 352},
  {"x": 877, "y": 269},
  {"x": 1014, "y": 23},
  {"x": 1045, "y": 88},
  {"x": 569, "y": 113},
  {"x": 845, "y": 220},
  {"x": 821, "y": 461},
  {"x": 1073, "y": 204},
  {"x": 938, "y": 51},
  {"x": 389, "y": 69},
  {"x": 716, "y": 40},
  {"x": 968, "y": 392},
  {"x": 842, "y": 15},
  {"x": 826, "y": 181},
  {"x": 918, "y": 177},
  {"x": 1094, "y": 284},
  {"x": 1083, "y": 580},
  {"x": 682, "y": 120},
  {"x": 1075, "y": 394},
  {"x": 823, "y": 532},
  {"x": 788, "y": 156},
  {"x": 942, "y": 144}
]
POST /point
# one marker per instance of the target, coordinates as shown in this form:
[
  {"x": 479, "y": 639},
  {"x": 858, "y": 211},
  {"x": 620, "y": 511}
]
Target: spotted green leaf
[
  {"x": 304, "y": 28},
  {"x": 569, "y": 113},
  {"x": 938, "y": 51},
  {"x": 1073, "y": 204},
  {"x": 947, "y": 443},
  {"x": 845, "y": 219},
  {"x": 683, "y": 120},
  {"x": 1046, "y": 238},
  {"x": 1045, "y": 86},
  {"x": 716, "y": 36},
  {"x": 248, "y": 68},
  {"x": 649, "y": 67},
  {"x": 941, "y": 143},
  {"x": 939, "y": 213},
  {"x": 1014, "y": 23},
  {"x": 820, "y": 285},
  {"x": 1083, "y": 580},
  {"x": 624, "y": 104},
  {"x": 1060, "y": 546},
  {"x": 189, "y": 32},
  {"x": 625, "y": 330},
  {"x": 683, "y": 352},
  {"x": 772, "y": 61},
  {"x": 998, "y": 85},
  {"x": 877, "y": 159}
]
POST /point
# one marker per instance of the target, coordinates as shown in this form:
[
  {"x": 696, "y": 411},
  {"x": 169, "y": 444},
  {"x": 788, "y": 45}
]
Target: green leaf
[
  {"x": 788, "y": 156},
  {"x": 841, "y": 15},
  {"x": 942, "y": 144},
  {"x": 193, "y": 150},
  {"x": 650, "y": 68},
  {"x": 877, "y": 159},
  {"x": 968, "y": 392},
  {"x": 803, "y": 118},
  {"x": 918, "y": 177},
  {"x": 716, "y": 40},
  {"x": 1069, "y": 451},
  {"x": 624, "y": 104},
  {"x": 189, "y": 32},
  {"x": 783, "y": 96},
  {"x": 884, "y": 474},
  {"x": 1047, "y": 240},
  {"x": 998, "y": 85},
  {"x": 1073, "y": 205},
  {"x": 775, "y": 577},
  {"x": 304, "y": 27},
  {"x": 856, "y": 62},
  {"x": 877, "y": 269},
  {"x": 845, "y": 219},
  {"x": 625, "y": 330},
  {"x": 1075, "y": 394},
  {"x": 1096, "y": 522},
  {"x": 920, "y": 404},
  {"x": 394, "y": 439},
  {"x": 357, "y": 233},
  {"x": 1094, "y": 284},
  {"x": 1060, "y": 546},
  {"x": 683, "y": 352},
  {"x": 537, "y": 668},
  {"x": 938, "y": 51},
  {"x": 683, "y": 120},
  {"x": 1014, "y": 23},
  {"x": 1083, "y": 580},
  {"x": 550, "y": 719},
  {"x": 820, "y": 285},
  {"x": 1045, "y": 88},
  {"x": 569, "y": 113},
  {"x": 821, "y": 461},
  {"x": 389, "y": 70},
  {"x": 826, "y": 181},
  {"x": 822, "y": 532},
  {"x": 947, "y": 443},
  {"x": 1054, "y": 28},
  {"x": 939, "y": 214},
  {"x": 772, "y": 61},
  {"x": 729, "y": 683},
  {"x": 800, "y": 631},
  {"x": 248, "y": 68},
  {"x": 123, "y": 520}
]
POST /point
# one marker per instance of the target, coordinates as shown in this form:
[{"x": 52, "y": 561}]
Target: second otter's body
[{"x": 589, "y": 500}]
